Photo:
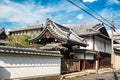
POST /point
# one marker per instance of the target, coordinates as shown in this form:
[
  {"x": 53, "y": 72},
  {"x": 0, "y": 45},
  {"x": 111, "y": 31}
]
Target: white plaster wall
[
  {"x": 16, "y": 66},
  {"x": 89, "y": 56},
  {"x": 99, "y": 44},
  {"x": 89, "y": 42},
  {"x": 79, "y": 56},
  {"x": 102, "y": 45},
  {"x": 108, "y": 46}
]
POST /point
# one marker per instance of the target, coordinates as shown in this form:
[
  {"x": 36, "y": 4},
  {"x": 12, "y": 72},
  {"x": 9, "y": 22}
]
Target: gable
[
  {"x": 104, "y": 31},
  {"x": 60, "y": 33}
]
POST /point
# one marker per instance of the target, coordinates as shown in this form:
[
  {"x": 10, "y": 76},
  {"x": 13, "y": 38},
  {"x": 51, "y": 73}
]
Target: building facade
[
  {"x": 99, "y": 45},
  {"x": 29, "y": 30},
  {"x": 116, "y": 54},
  {"x": 72, "y": 42}
]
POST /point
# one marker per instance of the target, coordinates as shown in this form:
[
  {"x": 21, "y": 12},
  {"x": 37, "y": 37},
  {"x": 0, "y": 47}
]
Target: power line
[
  {"x": 96, "y": 12},
  {"x": 89, "y": 13},
  {"x": 86, "y": 6},
  {"x": 117, "y": 17},
  {"x": 100, "y": 16},
  {"x": 117, "y": 31}
]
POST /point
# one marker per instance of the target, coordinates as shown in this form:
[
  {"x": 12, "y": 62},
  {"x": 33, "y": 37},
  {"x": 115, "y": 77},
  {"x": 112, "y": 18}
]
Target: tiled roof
[
  {"x": 27, "y": 51},
  {"x": 117, "y": 50},
  {"x": 77, "y": 50},
  {"x": 61, "y": 33},
  {"x": 28, "y": 28},
  {"x": 53, "y": 46},
  {"x": 85, "y": 29}
]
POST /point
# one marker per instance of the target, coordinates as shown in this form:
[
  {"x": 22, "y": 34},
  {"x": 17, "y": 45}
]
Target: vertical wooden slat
[
  {"x": 70, "y": 65},
  {"x": 105, "y": 62},
  {"x": 84, "y": 62}
]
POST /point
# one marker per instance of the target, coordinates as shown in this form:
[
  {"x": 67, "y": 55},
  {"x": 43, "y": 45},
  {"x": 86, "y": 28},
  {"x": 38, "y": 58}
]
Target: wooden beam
[{"x": 84, "y": 62}]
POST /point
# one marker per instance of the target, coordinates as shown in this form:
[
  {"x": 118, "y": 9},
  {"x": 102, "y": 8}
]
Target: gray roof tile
[
  {"x": 27, "y": 51},
  {"x": 61, "y": 33},
  {"x": 84, "y": 29},
  {"x": 28, "y": 28}
]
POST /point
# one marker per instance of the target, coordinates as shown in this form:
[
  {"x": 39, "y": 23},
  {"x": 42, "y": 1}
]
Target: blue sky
[{"x": 19, "y": 13}]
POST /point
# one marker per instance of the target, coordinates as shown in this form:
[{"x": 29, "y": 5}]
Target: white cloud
[
  {"x": 15, "y": 12},
  {"x": 109, "y": 13},
  {"x": 106, "y": 13},
  {"x": 30, "y": 13},
  {"x": 113, "y": 2},
  {"x": 89, "y": 0},
  {"x": 69, "y": 21},
  {"x": 80, "y": 16}
]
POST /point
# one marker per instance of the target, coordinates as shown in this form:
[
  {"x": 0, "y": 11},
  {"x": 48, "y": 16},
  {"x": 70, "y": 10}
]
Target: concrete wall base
[{"x": 50, "y": 77}]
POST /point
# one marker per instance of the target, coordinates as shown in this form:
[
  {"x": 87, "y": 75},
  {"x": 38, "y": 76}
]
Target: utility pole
[{"x": 112, "y": 43}]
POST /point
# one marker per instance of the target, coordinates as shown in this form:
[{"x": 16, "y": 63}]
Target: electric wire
[
  {"x": 89, "y": 13},
  {"x": 108, "y": 23},
  {"x": 96, "y": 12}
]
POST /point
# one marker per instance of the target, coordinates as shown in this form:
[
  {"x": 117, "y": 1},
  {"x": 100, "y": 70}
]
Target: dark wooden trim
[
  {"x": 84, "y": 62},
  {"x": 93, "y": 43}
]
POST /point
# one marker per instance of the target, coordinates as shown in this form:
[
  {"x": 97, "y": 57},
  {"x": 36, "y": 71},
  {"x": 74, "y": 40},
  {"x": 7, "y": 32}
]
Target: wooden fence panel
[
  {"x": 105, "y": 62},
  {"x": 90, "y": 64},
  {"x": 70, "y": 65}
]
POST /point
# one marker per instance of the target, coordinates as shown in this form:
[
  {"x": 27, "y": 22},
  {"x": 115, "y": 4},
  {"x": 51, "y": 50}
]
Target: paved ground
[
  {"x": 111, "y": 75},
  {"x": 114, "y": 75}
]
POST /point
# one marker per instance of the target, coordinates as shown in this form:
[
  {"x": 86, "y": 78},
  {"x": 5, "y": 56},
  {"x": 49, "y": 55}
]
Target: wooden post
[
  {"x": 84, "y": 62},
  {"x": 79, "y": 66}
]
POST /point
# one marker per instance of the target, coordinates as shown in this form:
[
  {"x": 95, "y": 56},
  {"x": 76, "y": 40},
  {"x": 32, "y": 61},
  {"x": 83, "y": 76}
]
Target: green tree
[{"x": 21, "y": 41}]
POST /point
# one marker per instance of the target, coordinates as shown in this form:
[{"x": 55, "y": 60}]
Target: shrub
[{"x": 21, "y": 41}]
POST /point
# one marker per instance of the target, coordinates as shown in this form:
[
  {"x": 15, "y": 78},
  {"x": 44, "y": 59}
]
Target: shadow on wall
[{"x": 4, "y": 74}]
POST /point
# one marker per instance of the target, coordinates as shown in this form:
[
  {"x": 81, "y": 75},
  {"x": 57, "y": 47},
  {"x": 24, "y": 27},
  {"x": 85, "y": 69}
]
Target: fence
[
  {"x": 75, "y": 65},
  {"x": 105, "y": 62},
  {"x": 90, "y": 64},
  {"x": 70, "y": 65}
]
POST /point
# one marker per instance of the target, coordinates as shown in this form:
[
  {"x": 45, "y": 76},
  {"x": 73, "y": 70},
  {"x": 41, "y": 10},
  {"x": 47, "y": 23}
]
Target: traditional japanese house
[
  {"x": 3, "y": 36},
  {"x": 56, "y": 33},
  {"x": 57, "y": 37},
  {"x": 32, "y": 30},
  {"x": 98, "y": 51}
]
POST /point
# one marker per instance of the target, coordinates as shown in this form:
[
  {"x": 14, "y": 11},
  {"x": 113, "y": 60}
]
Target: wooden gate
[
  {"x": 105, "y": 62},
  {"x": 90, "y": 64},
  {"x": 70, "y": 65}
]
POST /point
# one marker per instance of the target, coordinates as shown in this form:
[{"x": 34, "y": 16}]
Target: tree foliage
[{"x": 21, "y": 41}]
